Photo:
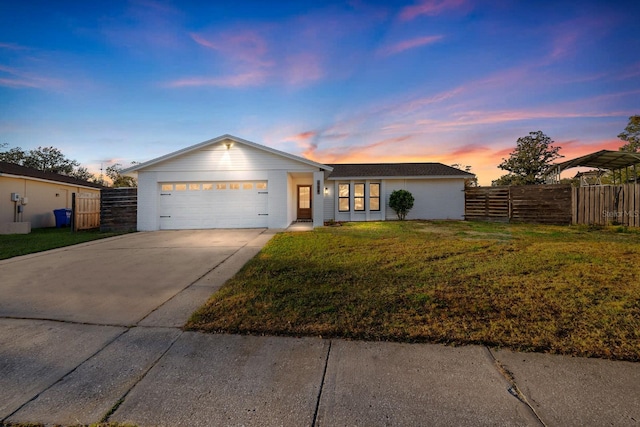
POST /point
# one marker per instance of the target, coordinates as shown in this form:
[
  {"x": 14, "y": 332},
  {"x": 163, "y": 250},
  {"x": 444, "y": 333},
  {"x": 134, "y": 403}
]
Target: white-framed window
[
  {"x": 234, "y": 186},
  {"x": 181, "y": 187},
  {"x": 207, "y": 186},
  {"x": 358, "y": 197},
  {"x": 261, "y": 185},
  {"x": 194, "y": 187},
  {"x": 343, "y": 198},
  {"x": 247, "y": 186},
  {"x": 221, "y": 186},
  {"x": 167, "y": 187},
  {"x": 374, "y": 196}
]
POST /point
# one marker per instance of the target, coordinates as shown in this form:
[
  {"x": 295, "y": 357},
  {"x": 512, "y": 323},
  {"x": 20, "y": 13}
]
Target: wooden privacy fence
[
  {"x": 487, "y": 203},
  {"x": 86, "y": 211},
  {"x": 607, "y": 204},
  {"x": 119, "y": 209},
  {"x": 546, "y": 204}
]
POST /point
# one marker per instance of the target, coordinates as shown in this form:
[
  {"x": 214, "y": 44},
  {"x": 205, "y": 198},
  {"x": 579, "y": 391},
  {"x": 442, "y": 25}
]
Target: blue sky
[{"x": 451, "y": 81}]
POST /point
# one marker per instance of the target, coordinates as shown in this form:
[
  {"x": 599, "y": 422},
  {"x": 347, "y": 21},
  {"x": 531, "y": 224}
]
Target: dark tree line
[{"x": 51, "y": 159}]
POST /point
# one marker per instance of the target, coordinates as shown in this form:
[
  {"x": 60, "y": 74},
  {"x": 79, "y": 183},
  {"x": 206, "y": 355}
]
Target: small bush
[{"x": 401, "y": 201}]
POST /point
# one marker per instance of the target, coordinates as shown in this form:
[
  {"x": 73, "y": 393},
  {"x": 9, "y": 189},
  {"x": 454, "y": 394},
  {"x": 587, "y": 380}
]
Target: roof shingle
[
  {"x": 358, "y": 170},
  {"x": 13, "y": 169}
]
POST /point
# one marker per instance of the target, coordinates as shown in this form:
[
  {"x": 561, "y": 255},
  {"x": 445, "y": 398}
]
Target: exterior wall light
[{"x": 228, "y": 144}]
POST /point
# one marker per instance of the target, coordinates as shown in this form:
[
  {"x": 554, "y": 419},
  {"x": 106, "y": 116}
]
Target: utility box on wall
[{"x": 15, "y": 197}]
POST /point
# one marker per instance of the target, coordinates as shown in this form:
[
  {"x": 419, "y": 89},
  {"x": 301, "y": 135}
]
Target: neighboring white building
[{"x": 228, "y": 182}]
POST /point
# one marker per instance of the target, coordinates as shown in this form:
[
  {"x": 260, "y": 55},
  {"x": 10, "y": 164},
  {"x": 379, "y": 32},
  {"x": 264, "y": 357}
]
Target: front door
[{"x": 304, "y": 202}]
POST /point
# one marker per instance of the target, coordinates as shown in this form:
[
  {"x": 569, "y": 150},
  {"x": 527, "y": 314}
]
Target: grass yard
[
  {"x": 566, "y": 290},
  {"x": 42, "y": 239}
]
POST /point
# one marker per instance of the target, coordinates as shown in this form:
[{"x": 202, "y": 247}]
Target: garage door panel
[{"x": 195, "y": 207}]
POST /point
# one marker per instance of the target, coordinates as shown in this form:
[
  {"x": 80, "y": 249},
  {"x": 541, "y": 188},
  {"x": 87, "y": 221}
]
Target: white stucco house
[{"x": 228, "y": 182}]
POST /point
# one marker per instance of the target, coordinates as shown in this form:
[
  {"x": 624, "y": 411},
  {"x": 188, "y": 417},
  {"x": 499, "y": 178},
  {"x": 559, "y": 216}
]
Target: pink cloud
[
  {"x": 429, "y": 8},
  {"x": 469, "y": 149},
  {"x": 237, "y": 80},
  {"x": 302, "y": 68},
  {"x": 470, "y": 118},
  {"x": 306, "y": 141},
  {"x": 241, "y": 46},
  {"x": 409, "y": 44},
  {"x": 247, "y": 52}
]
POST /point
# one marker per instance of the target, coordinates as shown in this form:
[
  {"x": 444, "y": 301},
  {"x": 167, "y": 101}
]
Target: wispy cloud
[
  {"x": 237, "y": 80},
  {"x": 305, "y": 141},
  {"x": 303, "y": 68},
  {"x": 242, "y": 47},
  {"x": 408, "y": 44},
  {"x": 474, "y": 118},
  {"x": 429, "y": 8},
  {"x": 249, "y": 55},
  {"x": 19, "y": 79},
  {"x": 297, "y": 52},
  {"x": 12, "y": 46}
]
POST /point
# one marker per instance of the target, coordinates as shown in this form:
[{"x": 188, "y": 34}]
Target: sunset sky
[{"x": 449, "y": 81}]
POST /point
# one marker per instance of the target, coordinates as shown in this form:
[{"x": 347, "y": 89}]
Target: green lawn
[
  {"x": 42, "y": 239},
  {"x": 567, "y": 290}
]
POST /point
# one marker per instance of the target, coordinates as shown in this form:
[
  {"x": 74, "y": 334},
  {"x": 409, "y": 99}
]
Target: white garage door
[{"x": 224, "y": 204}]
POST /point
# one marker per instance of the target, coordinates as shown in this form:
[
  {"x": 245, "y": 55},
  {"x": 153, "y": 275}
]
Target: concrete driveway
[{"x": 118, "y": 281}]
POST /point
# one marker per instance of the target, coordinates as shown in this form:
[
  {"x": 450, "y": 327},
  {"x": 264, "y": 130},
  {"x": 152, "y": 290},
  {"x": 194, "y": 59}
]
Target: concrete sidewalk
[{"x": 81, "y": 368}]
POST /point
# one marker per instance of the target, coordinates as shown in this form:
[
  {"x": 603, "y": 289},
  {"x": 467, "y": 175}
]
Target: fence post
[{"x": 73, "y": 212}]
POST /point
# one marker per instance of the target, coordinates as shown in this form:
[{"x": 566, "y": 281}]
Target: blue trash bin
[{"x": 63, "y": 217}]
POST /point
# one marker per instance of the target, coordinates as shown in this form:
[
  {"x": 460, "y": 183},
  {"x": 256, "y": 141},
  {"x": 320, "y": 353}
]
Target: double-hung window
[
  {"x": 374, "y": 197},
  {"x": 343, "y": 197},
  {"x": 358, "y": 197}
]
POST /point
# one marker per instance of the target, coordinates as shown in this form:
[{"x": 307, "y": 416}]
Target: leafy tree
[
  {"x": 47, "y": 159},
  {"x": 114, "y": 172},
  {"x": 529, "y": 161},
  {"x": 468, "y": 182},
  {"x": 401, "y": 201},
  {"x": 14, "y": 155},
  {"x": 83, "y": 174},
  {"x": 631, "y": 135}
]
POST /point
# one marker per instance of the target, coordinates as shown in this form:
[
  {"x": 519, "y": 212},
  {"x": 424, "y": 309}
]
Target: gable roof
[
  {"x": 219, "y": 139},
  {"x": 23, "y": 171},
  {"x": 397, "y": 170}
]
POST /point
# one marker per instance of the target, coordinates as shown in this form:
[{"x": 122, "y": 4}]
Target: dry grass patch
[{"x": 566, "y": 290}]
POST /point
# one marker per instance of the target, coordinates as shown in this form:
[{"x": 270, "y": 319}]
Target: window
[
  {"x": 181, "y": 187},
  {"x": 234, "y": 186},
  {"x": 343, "y": 197},
  {"x": 358, "y": 197},
  {"x": 221, "y": 186},
  {"x": 194, "y": 187},
  {"x": 374, "y": 197},
  {"x": 207, "y": 187},
  {"x": 261, "y": 185},
  {"x": 247, "y": 186},
  {"x": 167, "y": 187}
]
